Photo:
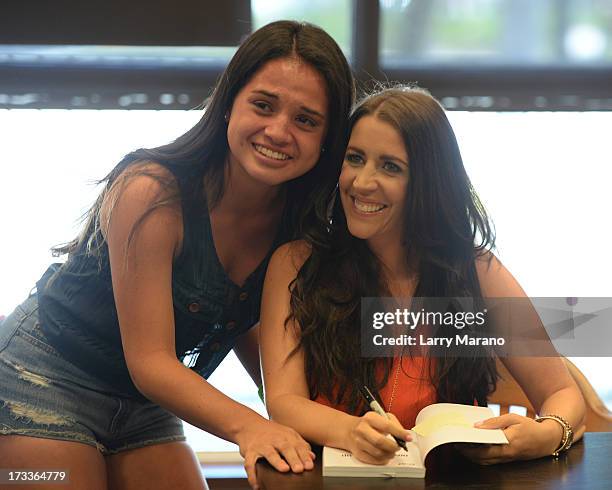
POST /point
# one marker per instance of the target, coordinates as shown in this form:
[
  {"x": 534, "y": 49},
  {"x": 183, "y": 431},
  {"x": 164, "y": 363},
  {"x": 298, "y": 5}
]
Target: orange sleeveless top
[{"x": 408, "y": 390}]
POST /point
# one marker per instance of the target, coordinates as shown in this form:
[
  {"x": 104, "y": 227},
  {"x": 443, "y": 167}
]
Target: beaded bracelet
[{"x": 568, "y": 433}]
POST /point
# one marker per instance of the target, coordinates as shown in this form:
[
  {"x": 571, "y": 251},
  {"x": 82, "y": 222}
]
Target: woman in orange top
[
  {"x": 407, "y": 391},
  {"x": 408, "y": 224}
]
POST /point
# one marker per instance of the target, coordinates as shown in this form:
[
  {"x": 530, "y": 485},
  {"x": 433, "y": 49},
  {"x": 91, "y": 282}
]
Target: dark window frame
[{"x": 52, "y": 84}]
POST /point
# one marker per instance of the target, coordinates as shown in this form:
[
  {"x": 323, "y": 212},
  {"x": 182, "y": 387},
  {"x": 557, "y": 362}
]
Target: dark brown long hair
[
  {"x": 446, "y": 229},
  {"x": 202, "y": 150}
]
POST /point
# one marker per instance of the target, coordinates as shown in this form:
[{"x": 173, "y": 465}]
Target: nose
[
  {"x": 277, "y": 130},
  {"x": 365, "y": 180}
]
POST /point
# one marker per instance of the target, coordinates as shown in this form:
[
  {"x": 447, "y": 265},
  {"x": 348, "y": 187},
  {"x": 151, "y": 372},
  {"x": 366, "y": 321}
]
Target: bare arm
[
  {"x": 142, "y": 285},
  {"x": 545, "y": 380},
  {"x": 247, "y": 352},
  {"x": 286, "y": 388}
]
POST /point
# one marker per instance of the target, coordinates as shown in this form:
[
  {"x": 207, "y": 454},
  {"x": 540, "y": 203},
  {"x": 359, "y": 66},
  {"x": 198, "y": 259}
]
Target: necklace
[{"x": 399, "y": 365}]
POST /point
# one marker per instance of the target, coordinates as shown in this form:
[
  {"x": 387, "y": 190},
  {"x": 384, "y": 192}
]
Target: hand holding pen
[{"x": 376, "y": 407}]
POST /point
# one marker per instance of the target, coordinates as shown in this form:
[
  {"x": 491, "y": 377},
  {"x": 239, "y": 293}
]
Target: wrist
[
  {"x": 348, "y": 428},
  {"x": 565, "y": 439},
  {"x": 554, "y": 434},
  {"x": 242, "y": 423}
]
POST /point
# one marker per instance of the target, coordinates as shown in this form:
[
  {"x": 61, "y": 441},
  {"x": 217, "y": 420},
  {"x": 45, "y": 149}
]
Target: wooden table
[{"x": 588, "y": 465}]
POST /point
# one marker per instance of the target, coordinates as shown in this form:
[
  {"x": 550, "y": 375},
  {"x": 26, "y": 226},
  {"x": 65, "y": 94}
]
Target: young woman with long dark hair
[
  {"x": 406, "y": 223},
  {"x": 166, "y": 277}
]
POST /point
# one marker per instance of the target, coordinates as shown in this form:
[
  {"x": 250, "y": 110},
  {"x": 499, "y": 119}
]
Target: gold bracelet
[{"x": 568, "y": 433}]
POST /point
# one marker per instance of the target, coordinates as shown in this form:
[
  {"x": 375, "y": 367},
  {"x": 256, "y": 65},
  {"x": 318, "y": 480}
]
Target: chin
[
  {"x": 359, "y": 232},
  {"x": 267, "y": 176}
]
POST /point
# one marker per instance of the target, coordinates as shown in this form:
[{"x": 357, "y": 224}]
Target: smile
[
  {"x": 275, "y": 155},
  {"x": 367, "y": 207}
]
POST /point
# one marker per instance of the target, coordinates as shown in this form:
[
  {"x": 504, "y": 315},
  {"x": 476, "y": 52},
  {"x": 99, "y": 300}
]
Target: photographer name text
[{"x": 458, "y": 339}]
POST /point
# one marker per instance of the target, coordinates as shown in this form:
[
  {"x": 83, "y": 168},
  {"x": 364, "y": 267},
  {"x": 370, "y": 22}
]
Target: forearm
[
  {"x": 246, "y": 349},
  {"x": 569, "y": 405},
  {"x": 315, "y": 422},
  {"x": 186, "y": 394}
]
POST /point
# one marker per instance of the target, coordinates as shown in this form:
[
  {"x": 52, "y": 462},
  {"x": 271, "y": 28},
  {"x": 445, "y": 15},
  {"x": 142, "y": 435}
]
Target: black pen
[{"x": 375, "y": 406}]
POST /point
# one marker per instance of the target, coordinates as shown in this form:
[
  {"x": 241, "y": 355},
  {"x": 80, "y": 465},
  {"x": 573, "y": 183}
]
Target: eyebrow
[
  {"x": 384, "y": 157},
  {"x": 303, "y": 107},
  {"x": 391, "y": 157},
  {"x": 355, "y": 149}
]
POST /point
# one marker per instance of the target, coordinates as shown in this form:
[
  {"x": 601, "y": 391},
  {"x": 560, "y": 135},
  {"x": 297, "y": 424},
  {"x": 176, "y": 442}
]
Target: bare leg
[
  {"x": 85, "y": 463},
  {"x": 165, "y": 466}
]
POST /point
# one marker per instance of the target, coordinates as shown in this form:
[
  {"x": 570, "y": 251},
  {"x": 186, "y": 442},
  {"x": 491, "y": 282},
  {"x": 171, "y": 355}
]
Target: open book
[{"x": 436, "y": 424}]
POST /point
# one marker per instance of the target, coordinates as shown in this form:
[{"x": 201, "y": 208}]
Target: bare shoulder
[
  {"x": 146, "y": 176},
  {"x": 495, "y": 279},
  {"x": 290, "y": 256},
  {"x": 141, "y": 187},
  {"x": 487, "y": 261}
]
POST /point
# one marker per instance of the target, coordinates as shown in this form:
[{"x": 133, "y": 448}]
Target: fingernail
[{"x": 478, "y": 424}]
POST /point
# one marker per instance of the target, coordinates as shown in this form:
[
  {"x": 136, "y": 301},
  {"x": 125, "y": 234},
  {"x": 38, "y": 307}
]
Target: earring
[
  {"x": 226, "y": 117},
  {"x": 330, "y": 207},
  {"x": 322, "y": 150}
]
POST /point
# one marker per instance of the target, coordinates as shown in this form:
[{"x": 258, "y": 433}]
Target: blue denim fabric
[
  {"x": 79, "y": 317},
  {"x": 44, "y": 395}
]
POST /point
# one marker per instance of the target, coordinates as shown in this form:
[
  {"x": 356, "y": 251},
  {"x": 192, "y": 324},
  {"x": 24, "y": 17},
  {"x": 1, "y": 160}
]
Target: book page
[
  {"x": 441, "y": 423},
  {"x": 340, "y": 458}
]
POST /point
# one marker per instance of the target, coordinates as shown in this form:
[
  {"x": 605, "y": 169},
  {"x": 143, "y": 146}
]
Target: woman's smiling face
[
  {"x": 278, "y": 122},
  {"x": 374, "y": 180}
]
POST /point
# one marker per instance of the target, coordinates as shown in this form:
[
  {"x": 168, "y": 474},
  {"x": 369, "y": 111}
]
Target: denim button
[
  {"x": 243, "y": 296},
  {"x": 230, "y": 325},
  {"x": 194, "y": 307},
  {"x": 215, "y": 347}
]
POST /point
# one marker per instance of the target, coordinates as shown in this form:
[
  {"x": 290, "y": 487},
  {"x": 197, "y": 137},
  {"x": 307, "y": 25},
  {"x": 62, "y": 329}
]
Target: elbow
[
  {"x": 143, "y": 387},
  {"x": 150, "y": 373},
  {"x": 580, "y": 404},
  {"x": 276, "y": 406},
  {"x": 583, "y": 418},
  {"x": 142, "y": 381},
  {"x": 271, "y": 406},
  {"x": 580, "y": 428},
  {"x": 572, "y": 397}
]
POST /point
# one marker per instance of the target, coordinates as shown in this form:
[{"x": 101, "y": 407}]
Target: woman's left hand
[{"x": 527, "y": 439}]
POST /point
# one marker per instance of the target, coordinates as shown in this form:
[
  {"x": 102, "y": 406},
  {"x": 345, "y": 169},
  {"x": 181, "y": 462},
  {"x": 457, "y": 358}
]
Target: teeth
[
  {"x": 366, "y": 207},
  {"x": 271, "y": 154}
]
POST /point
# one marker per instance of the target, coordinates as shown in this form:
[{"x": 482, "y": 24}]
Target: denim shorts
[{"x": 44, "y": 395}]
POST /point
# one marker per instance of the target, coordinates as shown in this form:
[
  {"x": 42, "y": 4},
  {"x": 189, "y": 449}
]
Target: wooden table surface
[{"x": 587, "y": 465}]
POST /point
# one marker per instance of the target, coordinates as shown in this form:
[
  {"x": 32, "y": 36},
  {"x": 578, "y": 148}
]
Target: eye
[
  {"x": 306, "y": 121},
  {"x": 353, "y": 158},
  {"x": 391, "y": 167},
  {"x": 262, "y": 105}
]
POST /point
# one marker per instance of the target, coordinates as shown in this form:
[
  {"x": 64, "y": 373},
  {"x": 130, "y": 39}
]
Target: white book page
[{"x": 451, "y": 422}]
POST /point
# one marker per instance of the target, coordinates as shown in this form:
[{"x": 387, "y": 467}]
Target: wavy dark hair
[
  {"x": 202, "y": 150},
  {"x": 445, "y": 230}
]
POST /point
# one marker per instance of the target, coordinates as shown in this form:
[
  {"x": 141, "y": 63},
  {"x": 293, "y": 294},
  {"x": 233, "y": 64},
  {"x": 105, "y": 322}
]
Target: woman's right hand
[
  {"x": 282, "y": 446},
  {"x": 368, "y": 438}
]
